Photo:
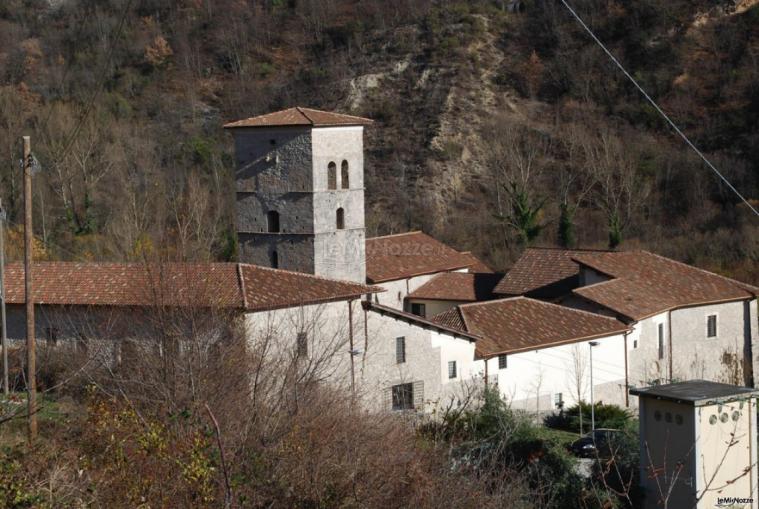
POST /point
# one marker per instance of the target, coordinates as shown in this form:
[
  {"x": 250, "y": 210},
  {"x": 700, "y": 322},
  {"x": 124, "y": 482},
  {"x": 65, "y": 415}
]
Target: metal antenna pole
[
  {"x": 31, "y": 357},
  {"x": 592, "y": 401},
  {"x": 6, "y": 385}
]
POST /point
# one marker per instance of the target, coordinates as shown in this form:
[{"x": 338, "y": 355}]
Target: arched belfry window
[
  {"x": 272, "y": 221},
  {"x": 274, "y": 259},
  {"x": 332, "y": 175},
  {"x": 340, "y": 219},
  {"x": 344, "y": 175}
]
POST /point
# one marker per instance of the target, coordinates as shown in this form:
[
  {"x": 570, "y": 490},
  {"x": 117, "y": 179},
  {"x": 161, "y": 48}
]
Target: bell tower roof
[{"x": 298, "y": 116}]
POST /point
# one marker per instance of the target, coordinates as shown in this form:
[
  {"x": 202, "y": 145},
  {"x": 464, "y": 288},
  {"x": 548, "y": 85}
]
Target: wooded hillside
[{"x": 493, "y": 129}]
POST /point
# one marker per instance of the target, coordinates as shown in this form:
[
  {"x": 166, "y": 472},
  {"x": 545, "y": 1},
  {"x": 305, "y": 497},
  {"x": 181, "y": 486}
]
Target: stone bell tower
[{"x": 300, "y": 192}]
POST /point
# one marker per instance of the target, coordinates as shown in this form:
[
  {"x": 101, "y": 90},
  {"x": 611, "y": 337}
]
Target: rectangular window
[
  {"x": 661, "y": 340},
  {"x": 503, "y": 361},
  {"x": 451, "y": 369},
  {"x": 302, "y": 344},
  {"x": 635, "y": 343},
  {"x": 558, "y": 400},
  {"x": 400, "y": 350},
  {"x": 418, "y": 309},
  {"x": 711, "y": 326},
  {"x": 403, "y": 397}
]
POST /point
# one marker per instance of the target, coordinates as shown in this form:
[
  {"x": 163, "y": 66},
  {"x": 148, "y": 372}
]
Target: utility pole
[
  {"x": 6, "y": 388},
  {"x": 31, "y": 356},
  {"x": 592, "y": 401}
]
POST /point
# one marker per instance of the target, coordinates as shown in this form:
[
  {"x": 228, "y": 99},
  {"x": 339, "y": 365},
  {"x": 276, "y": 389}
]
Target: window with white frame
[
  {"x": 451, "y": 369},
  {"x": 503, "y": 361},
  {"x": 711, "y": 326},
  {"x": 400, "y": 350}
]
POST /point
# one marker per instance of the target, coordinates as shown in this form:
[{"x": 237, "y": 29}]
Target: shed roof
[
  {"x": 299, "y": 116},
  {"x": 696, "y": 392}
]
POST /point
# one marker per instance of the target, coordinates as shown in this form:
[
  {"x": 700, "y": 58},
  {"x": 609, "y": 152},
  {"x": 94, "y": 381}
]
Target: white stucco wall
[
  {"x": 274, "y": 334},
  {"x": 375, "y": 367},
  {"x": 551, "y": 370}
]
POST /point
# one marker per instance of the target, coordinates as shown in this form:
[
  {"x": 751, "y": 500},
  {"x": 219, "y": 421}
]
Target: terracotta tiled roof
[
  {"x": 409, "y": 254},
  {"x": 541, "y": 272},
  {"x": 644, "y": 284},
  {"x": 477, "y": 264},
  {"x": 266, "y": 288},
  {"x": 520, "y": 323},
  {"x": 458, "y": 286},
  {"x": 450, "y": 318},
  {"x": 299, "y": 116},
  {"x": 175, "y": 284}
]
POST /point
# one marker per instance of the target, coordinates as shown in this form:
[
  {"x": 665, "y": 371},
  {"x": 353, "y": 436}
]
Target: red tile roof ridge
[
  {"x": 545, "y": 303},
  {"x": 472, "y": 304},
  {"x": 374, "y": 288},
  {"x": 744, "y": 286},
  {"x": 300, "y": 110},
  {"x": 299, "y": 116},
  {"x": 303, "y": 110},
  {"x": 412, "y": 232},
  {"x": 585, "y": 249}
]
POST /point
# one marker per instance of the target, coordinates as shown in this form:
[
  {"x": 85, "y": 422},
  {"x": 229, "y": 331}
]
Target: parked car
[{"x": 595, "y": 443}]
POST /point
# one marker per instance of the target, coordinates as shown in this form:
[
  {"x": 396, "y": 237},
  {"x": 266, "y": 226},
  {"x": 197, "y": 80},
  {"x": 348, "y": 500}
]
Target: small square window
[
  {"x": 503, "y": 361},
  {"x": 711, "y": 326},
  {"x": 400, "y": 350},
  {"x": 418, "y": 309},
  {"x": 451, "y": 369}
]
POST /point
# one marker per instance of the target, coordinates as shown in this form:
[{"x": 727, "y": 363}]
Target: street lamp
[{"x": 591, "y": 344}]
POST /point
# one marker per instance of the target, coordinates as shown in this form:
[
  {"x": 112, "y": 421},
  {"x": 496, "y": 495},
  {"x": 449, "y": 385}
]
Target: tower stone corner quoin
[{"x": 300, "y": 192}]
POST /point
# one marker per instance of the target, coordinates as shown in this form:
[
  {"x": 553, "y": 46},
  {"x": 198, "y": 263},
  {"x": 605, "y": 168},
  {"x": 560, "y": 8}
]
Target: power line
[
  {"x": 656, "y": 106},
  {"x": 99, "y": 88}
]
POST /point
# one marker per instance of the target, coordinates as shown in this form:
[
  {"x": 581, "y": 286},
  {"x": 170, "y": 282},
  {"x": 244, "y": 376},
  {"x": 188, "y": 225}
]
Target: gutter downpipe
[
  {"x": 669, "y": 333},
  {"x": 627, "y": 381},
  {"x": 352, "y": 350}
]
